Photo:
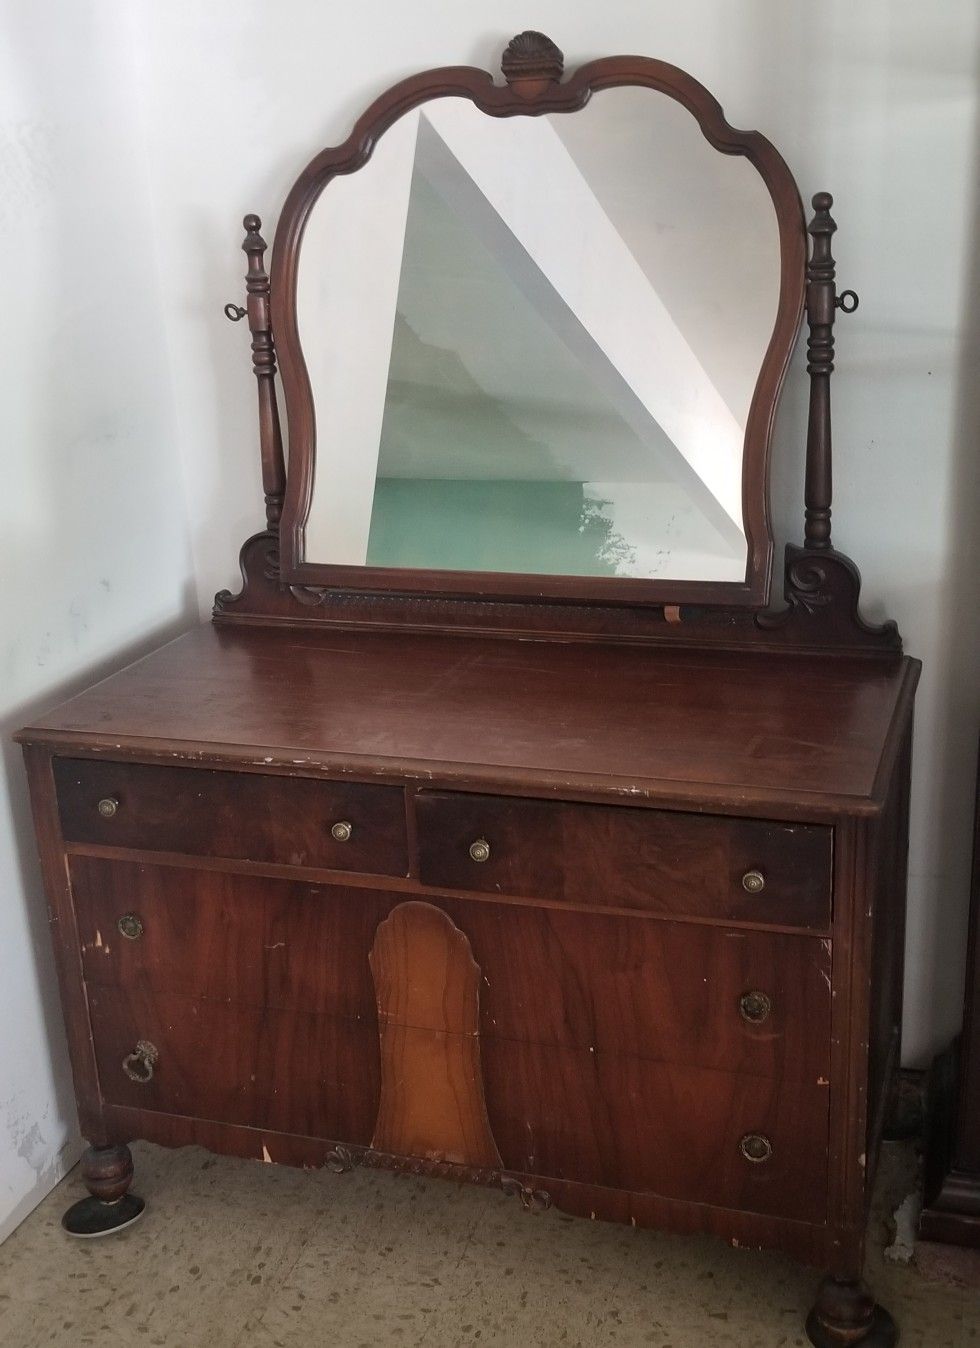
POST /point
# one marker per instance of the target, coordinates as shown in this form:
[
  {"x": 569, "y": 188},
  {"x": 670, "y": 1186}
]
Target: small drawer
[
  {"x": 291, "y": 821},
  {"x": 656, "y": 861}
]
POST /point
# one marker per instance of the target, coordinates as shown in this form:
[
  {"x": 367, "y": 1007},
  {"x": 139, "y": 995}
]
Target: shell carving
[{"x": 532, "y": 56}]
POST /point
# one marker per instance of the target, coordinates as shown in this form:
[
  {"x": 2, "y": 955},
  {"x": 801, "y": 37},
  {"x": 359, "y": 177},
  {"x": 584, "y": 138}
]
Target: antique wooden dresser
[{"x": 587, "y": 886}]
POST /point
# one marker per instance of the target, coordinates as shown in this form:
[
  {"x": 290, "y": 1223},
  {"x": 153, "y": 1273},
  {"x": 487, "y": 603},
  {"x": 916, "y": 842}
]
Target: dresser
[{"x": 590, "y": 890}]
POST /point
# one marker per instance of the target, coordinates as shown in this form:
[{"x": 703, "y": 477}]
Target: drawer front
[
  {"x": 626, "y": 1123},
  {"x": 616, "y": 1121},
  {"x": 286, "y": 1070},
  {"x": 656, "y": 861},
  {"x": 248, "y": 816},
  {"x": 686, "y": 993}
]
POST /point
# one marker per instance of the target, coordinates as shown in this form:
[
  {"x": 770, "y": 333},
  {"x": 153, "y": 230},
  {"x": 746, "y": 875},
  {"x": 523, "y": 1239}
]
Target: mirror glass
[{"x": 533, "y": 343}]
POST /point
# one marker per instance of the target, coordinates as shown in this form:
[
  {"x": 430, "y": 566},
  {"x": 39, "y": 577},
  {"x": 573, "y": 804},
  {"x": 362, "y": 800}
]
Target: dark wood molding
[
  {"x": 820, "y": 611},
  {"x": 532, "y": 66}
]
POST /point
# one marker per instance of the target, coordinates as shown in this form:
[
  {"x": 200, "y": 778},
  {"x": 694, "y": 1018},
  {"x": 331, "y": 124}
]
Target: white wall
[
  {"x": 94, "y": 556},
  {"x": 877, "y": 102}
]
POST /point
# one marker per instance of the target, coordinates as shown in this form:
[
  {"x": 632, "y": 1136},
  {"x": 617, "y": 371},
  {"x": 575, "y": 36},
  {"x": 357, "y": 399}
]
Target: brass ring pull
[
  {"x": 342, "y": 830},
  {"x": 130, "y": 925},
  {"x": 847, "y": 301},
  {"x": 108, "y": 806},
  {"x": 234, "y": 312},
  {"x": 754, "y": 1007},
  {"x": 755, "y": 1147},
  {"x": 480, "y": 850},
  {"x": 753, "y": 882},
  {"x": 139, "y": 1064}
]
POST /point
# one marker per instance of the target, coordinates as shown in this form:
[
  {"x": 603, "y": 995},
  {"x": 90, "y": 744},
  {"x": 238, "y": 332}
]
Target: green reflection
[{"x": 493, "y": 525}]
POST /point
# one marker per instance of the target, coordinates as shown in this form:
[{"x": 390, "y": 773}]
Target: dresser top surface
[{"x": 679, "y": 726}]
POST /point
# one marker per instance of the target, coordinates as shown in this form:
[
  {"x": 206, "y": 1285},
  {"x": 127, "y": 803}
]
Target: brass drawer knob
[
  {"x": 480, "y": 850},
  {"x": 139, "y": 1064},
  {"x": 108, "y": 806},
  {"x": 341, "y": 831},
  {"x": 755, "y": 1147},
  {"x": 754, "y": 1007},
  {"x": 753, "y": 882},
  {"x": 130, "y": 926}
]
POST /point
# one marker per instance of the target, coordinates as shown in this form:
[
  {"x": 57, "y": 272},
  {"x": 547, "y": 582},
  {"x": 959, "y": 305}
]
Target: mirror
[{"x": 533, "y": 344}]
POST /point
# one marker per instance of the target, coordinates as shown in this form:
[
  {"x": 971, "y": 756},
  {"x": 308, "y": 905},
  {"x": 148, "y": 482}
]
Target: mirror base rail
[{"x": 819, "y": 613}]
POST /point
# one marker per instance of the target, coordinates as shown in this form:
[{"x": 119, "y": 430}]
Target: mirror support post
[
  {"x": 821, "y": 303},
  {"x": 264, "y": 368}
]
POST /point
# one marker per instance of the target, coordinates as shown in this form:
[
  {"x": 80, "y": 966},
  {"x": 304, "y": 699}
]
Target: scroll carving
[{"x": 532, "y": 1200}]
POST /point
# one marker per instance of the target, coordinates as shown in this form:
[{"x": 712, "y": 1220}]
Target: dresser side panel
[{"x": 66, "y": 942}]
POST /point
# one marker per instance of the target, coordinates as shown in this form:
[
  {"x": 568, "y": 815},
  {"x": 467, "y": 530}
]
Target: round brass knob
[
  {"x": 753, "y": 882},
  {"x": 755, "y": 1147},
  {"x": 342, "y": 830},
  {"x": 130, "y": 926},
  {"x": 108, "y": 807},
  {"x": 754, "y": 1007},
  {"x": 139, "y": 1064},
  {"x": 480, "y": 850}
]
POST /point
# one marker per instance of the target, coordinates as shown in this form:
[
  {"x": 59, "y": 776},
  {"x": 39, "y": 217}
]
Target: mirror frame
[{"x": 532, "y": 66}]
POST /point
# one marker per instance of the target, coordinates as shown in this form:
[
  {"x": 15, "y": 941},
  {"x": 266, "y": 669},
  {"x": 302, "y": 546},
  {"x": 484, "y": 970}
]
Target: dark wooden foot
[
  {"x": 846, "y": 1313},
  {"x": 108, "y": 1173}
]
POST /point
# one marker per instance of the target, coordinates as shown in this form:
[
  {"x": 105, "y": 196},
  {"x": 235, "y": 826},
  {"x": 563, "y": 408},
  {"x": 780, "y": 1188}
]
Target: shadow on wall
[{"x": 958, "y": 686}]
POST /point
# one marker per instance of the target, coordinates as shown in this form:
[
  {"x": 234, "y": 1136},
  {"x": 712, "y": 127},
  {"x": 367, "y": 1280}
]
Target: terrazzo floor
[{"x": 236, "y": 1253}]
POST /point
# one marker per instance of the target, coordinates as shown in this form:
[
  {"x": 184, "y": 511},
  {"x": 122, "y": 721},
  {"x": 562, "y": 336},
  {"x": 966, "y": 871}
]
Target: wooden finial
[
  {"x": 821, "y": 300},
  {"x": 264, "y": 368},
  {"x": 533, "y": 60}
]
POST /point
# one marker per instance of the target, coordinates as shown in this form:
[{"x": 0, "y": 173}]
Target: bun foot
[
  {"x": 108, "y": 1173},
  {"x": 845, "y": 1313}
]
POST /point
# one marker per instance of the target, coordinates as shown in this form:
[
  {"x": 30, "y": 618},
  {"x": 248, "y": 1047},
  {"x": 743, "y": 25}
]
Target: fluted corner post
[
  {"x": 264, "y": 367},
  {"x": 821, "y": 303}
]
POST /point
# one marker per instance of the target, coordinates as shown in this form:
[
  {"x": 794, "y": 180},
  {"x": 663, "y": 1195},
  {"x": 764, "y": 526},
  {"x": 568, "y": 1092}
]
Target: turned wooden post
[
  {"x": 264, "y": 367},
  {"x": 821, "y": 302}
]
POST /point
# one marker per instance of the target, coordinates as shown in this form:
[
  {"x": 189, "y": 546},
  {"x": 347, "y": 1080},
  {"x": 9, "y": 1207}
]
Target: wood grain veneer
[
  {"x": 254, "y": 818},
  {"x": 661, "y": 990},
  {"x": 651, "y": 860}
]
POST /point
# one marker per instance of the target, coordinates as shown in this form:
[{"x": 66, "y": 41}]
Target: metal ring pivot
[
  {"x": 139, "y": 1064},
  {"x": 754, "y": 1007},
  {"x": 130, "y": 926},
  {"x": 755, "y": 1147}
]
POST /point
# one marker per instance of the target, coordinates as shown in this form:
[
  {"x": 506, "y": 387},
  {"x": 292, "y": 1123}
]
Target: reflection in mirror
[{"x": 533, "y": 344}]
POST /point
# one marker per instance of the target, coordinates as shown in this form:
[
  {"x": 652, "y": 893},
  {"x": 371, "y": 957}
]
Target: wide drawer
[
  {"x": 622, "y": 1122},
  {"x": 655, "y": 861},
  {"x": 293, "y": 821},
  {"x": 681, "y": 992}
]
